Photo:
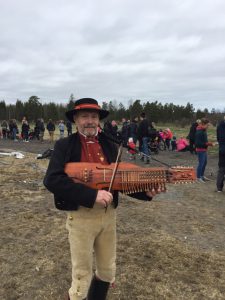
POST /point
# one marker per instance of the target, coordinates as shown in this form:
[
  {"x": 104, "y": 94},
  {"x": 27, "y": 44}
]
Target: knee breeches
[{"x": 91, "y": 230}]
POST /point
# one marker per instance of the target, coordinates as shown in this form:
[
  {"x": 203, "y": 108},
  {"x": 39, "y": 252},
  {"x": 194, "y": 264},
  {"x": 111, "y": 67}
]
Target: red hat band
[{"x": 87, "y": 106}]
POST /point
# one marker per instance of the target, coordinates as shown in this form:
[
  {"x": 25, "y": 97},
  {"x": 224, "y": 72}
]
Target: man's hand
[
  {"x": 104, "y": 198},
  {"x": 152, "y": 193}
]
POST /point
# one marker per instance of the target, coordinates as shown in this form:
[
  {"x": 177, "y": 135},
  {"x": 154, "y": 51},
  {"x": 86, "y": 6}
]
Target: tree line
[{"x": 155, "y": 111}]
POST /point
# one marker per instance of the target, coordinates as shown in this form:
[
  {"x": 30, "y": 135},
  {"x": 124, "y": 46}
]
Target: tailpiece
[{"x": 129, "y": 178}]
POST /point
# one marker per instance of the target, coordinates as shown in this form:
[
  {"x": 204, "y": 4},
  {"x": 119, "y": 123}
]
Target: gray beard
[{"x": 89, "y": 134}]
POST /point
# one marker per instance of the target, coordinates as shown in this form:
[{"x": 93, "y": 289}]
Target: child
[
  {"x": 132, "y": 148},
  {"x": 174, "y": 143}
]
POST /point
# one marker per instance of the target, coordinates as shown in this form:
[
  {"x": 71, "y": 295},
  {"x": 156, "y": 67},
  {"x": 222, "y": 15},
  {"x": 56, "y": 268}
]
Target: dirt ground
[{"x": 170, "y": 248}]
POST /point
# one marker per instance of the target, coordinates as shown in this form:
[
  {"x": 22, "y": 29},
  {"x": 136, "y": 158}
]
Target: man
[
  {"x": 69, "y": 128},
  {"x": 90, "y": 226},
  {"x": 51, "y": 129},
  {"x": 40, "y": 129},
  {"x": 124, "y": 131},
  {"x": 221, "y": 163},
  {"x": 143, "y": 137}
]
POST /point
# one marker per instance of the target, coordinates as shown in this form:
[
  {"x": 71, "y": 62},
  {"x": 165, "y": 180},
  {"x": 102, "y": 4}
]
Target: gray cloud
[{"x": 165, "y": 50}]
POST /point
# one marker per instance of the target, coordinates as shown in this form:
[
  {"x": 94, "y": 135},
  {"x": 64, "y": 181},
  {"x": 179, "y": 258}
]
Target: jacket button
[{"x": 70, "y": 218}]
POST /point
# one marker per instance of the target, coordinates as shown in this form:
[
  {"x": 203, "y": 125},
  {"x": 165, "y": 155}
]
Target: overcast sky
[{"x": 170, "y": 51}]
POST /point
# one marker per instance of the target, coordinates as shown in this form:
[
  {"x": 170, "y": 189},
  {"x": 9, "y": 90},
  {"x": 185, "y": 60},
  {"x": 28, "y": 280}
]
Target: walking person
[
  {"x": 51, "y": 130},
  {"x": 221, "y": 163},
  {"x": 90, "y": 225},
  {"x": 201, "y": 143}
]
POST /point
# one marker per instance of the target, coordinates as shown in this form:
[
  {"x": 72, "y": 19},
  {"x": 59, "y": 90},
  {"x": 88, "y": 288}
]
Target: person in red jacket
[
  {"x": 167, "y": 136},
  {"x": 132, "y": 148}
]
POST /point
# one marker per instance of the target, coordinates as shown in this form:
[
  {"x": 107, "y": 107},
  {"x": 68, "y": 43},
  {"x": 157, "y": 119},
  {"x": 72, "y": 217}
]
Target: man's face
[{"x": 87, "y": 122}]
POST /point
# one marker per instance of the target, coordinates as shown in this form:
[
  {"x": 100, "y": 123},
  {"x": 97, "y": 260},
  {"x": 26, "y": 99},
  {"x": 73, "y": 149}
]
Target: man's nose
[{"x": 90, "y": 120}]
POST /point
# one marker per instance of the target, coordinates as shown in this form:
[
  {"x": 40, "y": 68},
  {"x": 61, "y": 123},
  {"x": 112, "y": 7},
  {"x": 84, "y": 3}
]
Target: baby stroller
[
  {"x": 31, "y": 135},
  {"x": 155, "y": 144}
]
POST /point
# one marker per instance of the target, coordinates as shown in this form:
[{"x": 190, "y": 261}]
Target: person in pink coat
[{"x": 182, "y": 144}]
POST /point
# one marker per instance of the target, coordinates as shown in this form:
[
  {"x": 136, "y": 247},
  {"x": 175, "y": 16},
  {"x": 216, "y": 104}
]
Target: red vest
[{"x": 91, "y": 150}]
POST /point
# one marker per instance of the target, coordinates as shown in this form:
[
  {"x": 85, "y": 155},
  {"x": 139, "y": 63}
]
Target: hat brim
[{"x": 102, "y": 114}]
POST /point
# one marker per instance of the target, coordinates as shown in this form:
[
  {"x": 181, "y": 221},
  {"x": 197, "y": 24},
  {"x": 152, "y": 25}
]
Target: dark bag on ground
[{"x": 46, "y": 154}]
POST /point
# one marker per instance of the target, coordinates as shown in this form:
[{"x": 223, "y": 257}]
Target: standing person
[
  {"x": 221, "y": 140},
  {"x": 69, "y": 128},
  {"x": 114, "y": 129},
  {"x": 201, "y": 144},
  {"x": 51, "y": 130},
  {"x": 90, "y": 226},
  {"x": 174, "y": 143},
  {"x": 25, "y": 130},
  {"x": 143, "y": 137},
  {"x": 111, "y": 129},
  {"x": 37, "y": 129},
  {"x": 14, "y": 130},
  {"x": 124, "y": 131},
  {"x": 61, "y": 129},
  {"x": 133, "y": 129},
  {"x": 167, "y": 136},
  {"x": 41, "y": 130},
  {"x": 191, "y": 136},
  {"x": 4, "y": 126}
]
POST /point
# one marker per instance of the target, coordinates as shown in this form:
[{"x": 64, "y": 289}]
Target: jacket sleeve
[
  {"x": 63, "y": 188},
  {"x": 140, "y": 196}
]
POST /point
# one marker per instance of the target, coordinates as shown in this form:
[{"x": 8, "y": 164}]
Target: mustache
[{"x": 90, "y": 126}]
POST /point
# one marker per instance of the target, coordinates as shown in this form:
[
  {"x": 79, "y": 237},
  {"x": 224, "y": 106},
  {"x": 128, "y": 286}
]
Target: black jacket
[
  {"x": 192, "y": 131},
  {"x": 51, "y": 126},
  {"x": 67, "y": 194},
  {"x": 143, "y": 129},
  {"x": 220, "y": 132}
]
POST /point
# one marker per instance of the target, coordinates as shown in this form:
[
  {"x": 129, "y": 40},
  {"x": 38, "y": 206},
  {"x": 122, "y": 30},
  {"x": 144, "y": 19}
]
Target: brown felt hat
[{"x": 86, "y": 104}]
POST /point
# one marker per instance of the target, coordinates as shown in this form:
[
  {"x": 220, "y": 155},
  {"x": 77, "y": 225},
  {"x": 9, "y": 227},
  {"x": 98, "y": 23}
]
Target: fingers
[
  {"x": 104, "y": 198},
  {"x": 154, "y": 192}
]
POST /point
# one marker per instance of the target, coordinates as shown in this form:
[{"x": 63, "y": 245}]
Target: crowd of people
[{"x": 10, "y": 130}]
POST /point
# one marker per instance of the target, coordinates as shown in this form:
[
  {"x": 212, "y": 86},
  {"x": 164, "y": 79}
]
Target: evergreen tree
[
  {"x": 121, "y": 113},
  {"x": 71, "y": 102},
  {"x": 19, "y": 110},
  {"x": 3, "y": 111},
  {"x": 135, "y": 109},
  {"x": 200, "y": 114},
  {"x": 33, "y": 108}
]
